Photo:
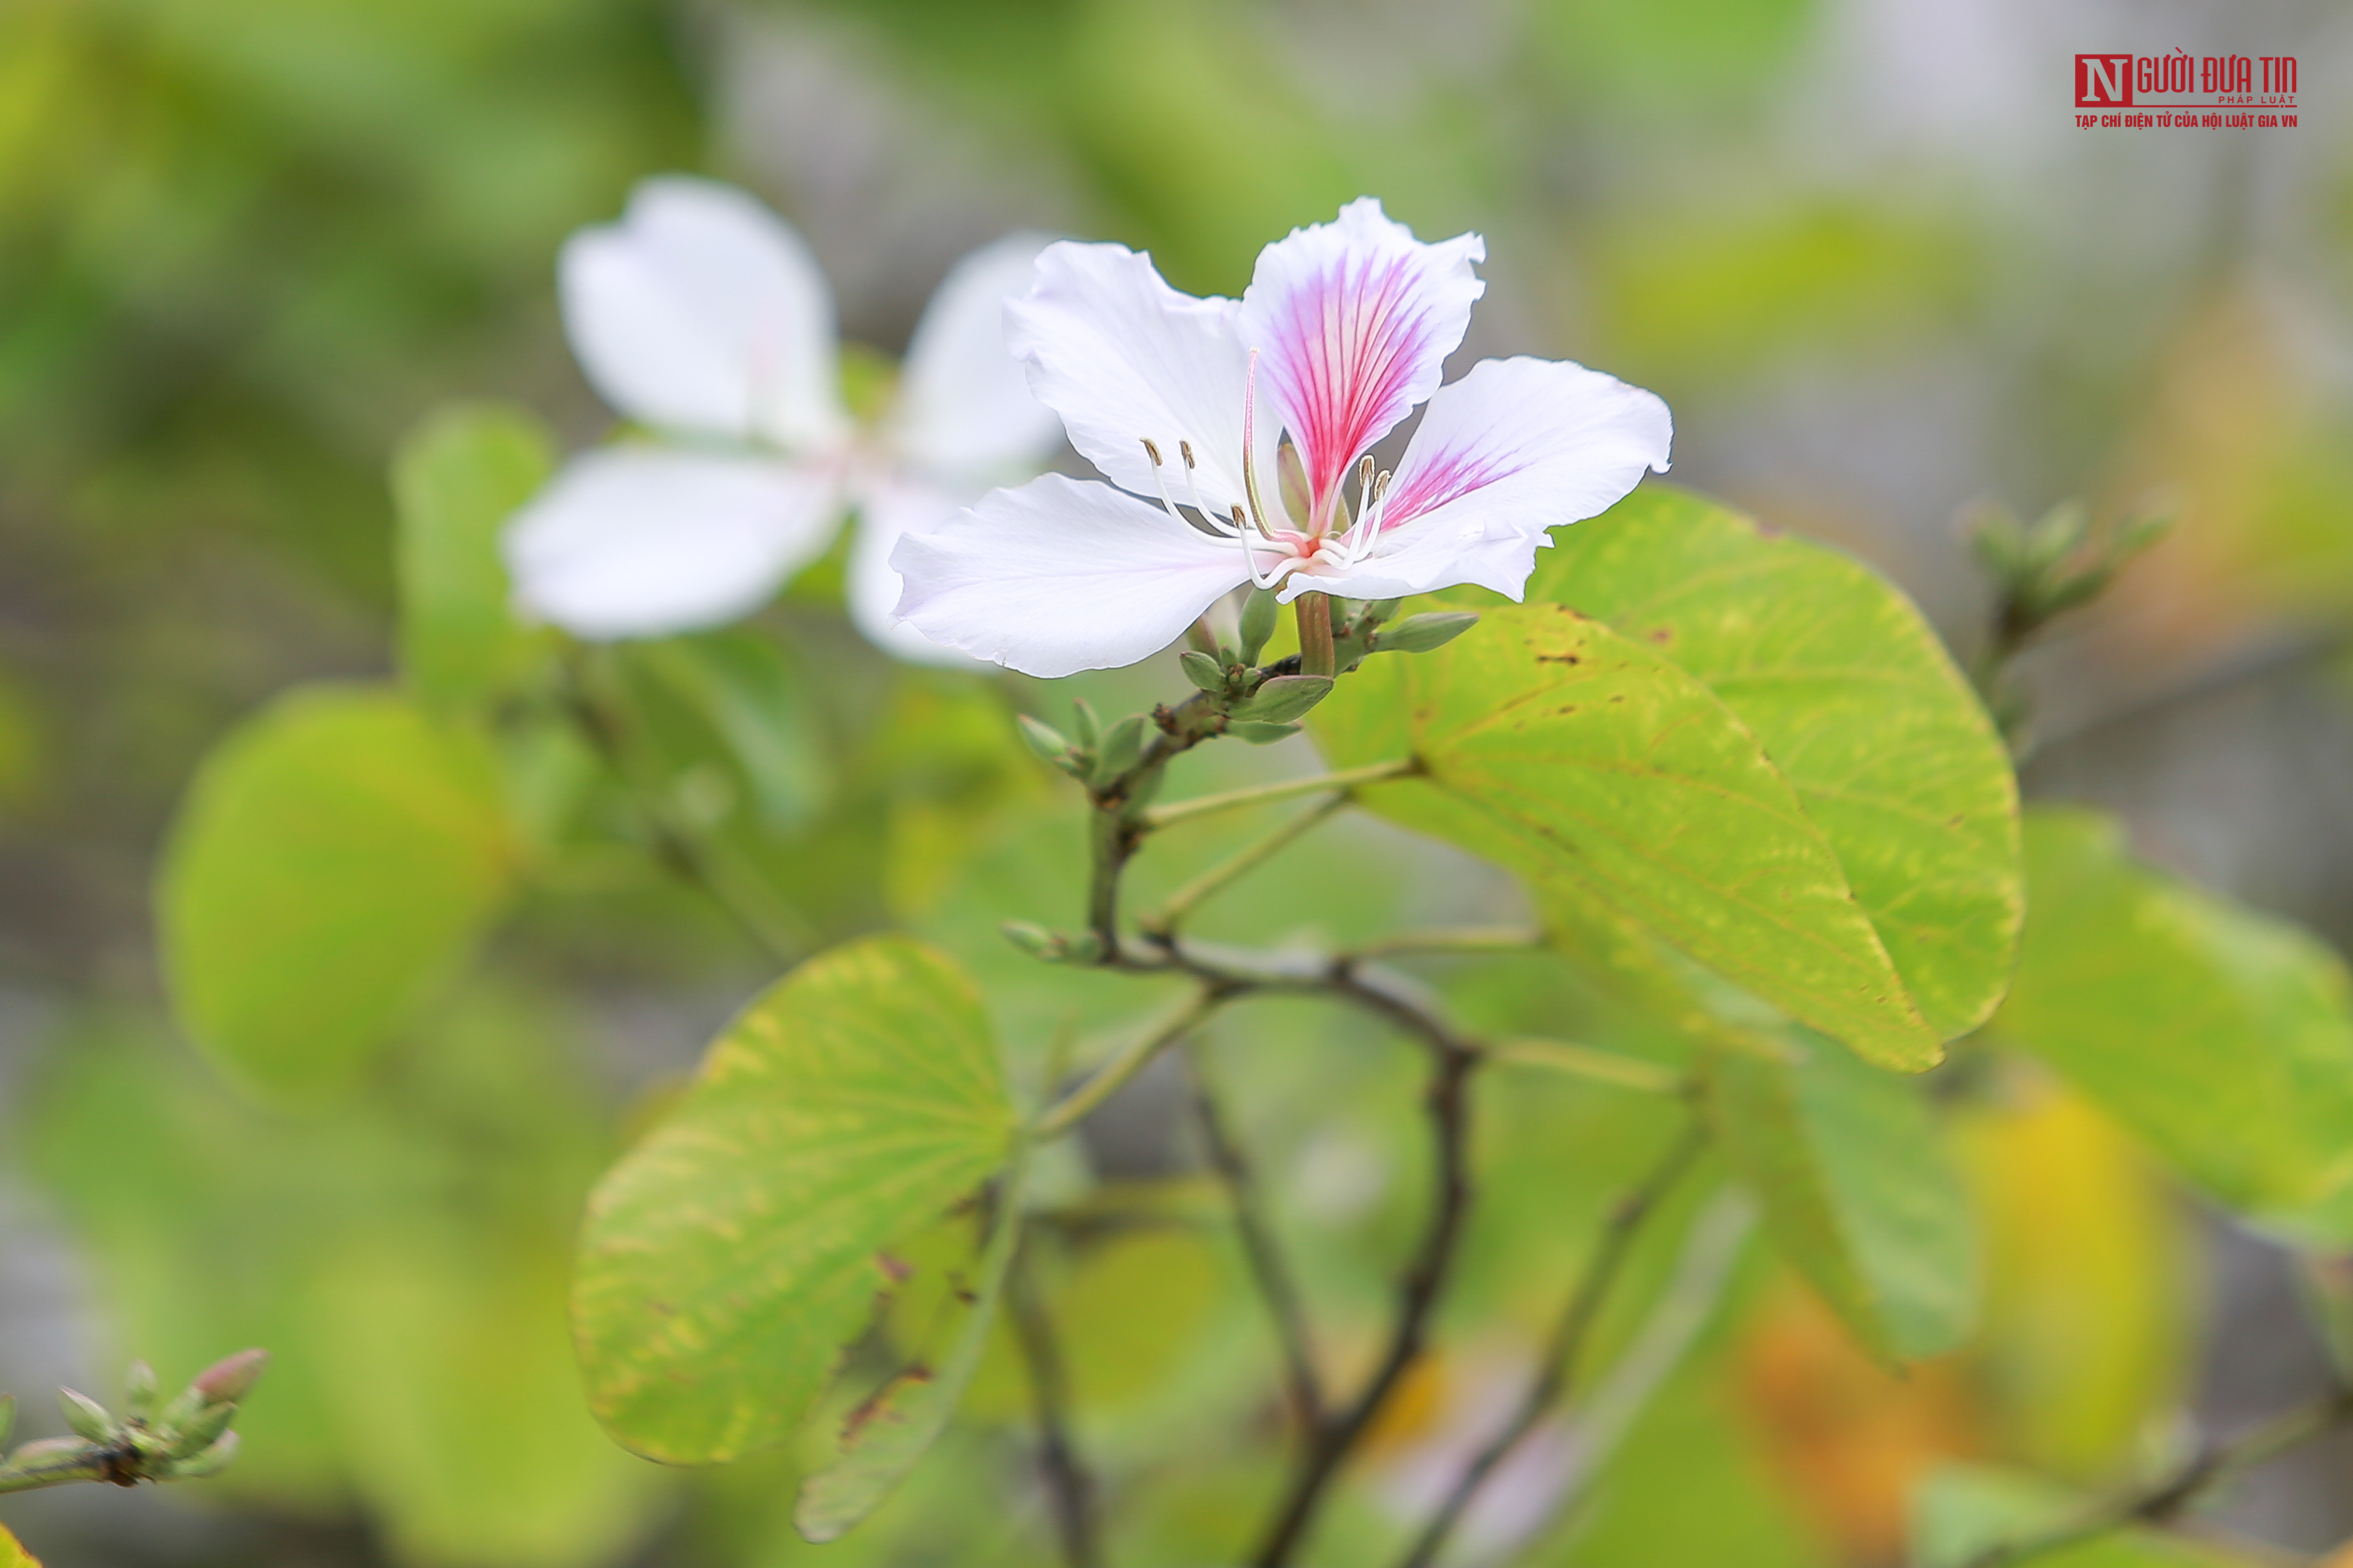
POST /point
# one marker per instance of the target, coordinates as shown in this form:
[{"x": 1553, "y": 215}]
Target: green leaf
[
  {"x": 1618, "y": 785},
  {"x": 1857, "y": 703},
  {"x": 13, "y": 1553},
  {"x": 336, "y": 858},
  {"x": 2221, "y": 1037},
  {"x": 1858, "y": 1194},
  {"x": 889, "y": 1430},
  {"x": 1963, "y": 1511},
  {"x": 454, "y": 481},
  {"x": 730, "y": 1257},
  {"x": 744, "y": 692}
]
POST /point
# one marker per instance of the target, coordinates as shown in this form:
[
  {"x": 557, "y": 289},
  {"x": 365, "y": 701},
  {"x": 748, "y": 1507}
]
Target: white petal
[
  {"x": 702, "y": 312},
  {"x": 1123, "y": 357},
  {"x": 886, "y": 512},
  {"x": 1062, "y": 576},
  {"x": 964, "y": 408},
  {"x": 637, "y": 540},
  {"x": 1515, "y": 447},
  {"x": 1353, "y": 321}
]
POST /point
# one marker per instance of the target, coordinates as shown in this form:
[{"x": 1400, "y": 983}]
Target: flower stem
[
  {"x": 1313, "y": 612},
  {"x": 1130, "y": 1059},
  {"x": 1346, "y": 779}
]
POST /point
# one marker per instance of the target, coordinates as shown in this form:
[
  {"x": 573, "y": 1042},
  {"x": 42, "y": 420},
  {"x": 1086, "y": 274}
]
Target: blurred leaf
[
  {"x": 335, "y": 859},
  {"x": 1613, "y": 779},
  {"x": 2084, "y": 1324},
  {"x": 889, "y": 1430},
  {"x": 741, "y": 690},
  {"x": 456, "y": 481},
  {"x": 1961, "y": 1511},
  {"x": 2221, "y": 1037},
  {"x": 458, "y": 1401},
  {"x": 732, "y": 1255},
  {"x": 1857, "y": 1193},
  {"x": 1853, "y": 699},
  {"x": 13, "y": 1553}
]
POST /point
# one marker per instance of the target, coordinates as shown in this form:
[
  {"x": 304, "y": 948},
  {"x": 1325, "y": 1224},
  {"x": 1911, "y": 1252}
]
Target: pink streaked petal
[
  {"x": 1125, "y": 358},
  {"x": 1524, "y": 445},
  {"x": 1061, "y": 575},
  {"x": 1353, "y": 321}
]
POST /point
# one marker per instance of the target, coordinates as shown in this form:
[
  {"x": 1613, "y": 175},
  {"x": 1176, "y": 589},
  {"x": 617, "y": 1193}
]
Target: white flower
[
  {"x": 701, "y": 316},
  {"x": 1340, "y": 335}
]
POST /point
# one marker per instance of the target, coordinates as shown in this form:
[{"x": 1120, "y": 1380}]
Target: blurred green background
[{"x": 1858, "y": 244}]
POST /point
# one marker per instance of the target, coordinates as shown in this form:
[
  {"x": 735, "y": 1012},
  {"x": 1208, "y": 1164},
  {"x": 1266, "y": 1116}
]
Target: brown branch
[
  {"x": 1269, "y": 1269},
  {"x": 1619, "y": 1229},
  {"x": 1070, "y": 1489},
  {"x": 2164, "y": 1499}
]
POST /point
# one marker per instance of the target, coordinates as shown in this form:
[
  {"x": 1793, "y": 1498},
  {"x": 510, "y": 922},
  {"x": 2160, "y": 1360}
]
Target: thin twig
[
  {"x": 1557, "y": 1372},
  {"x": 1269, "y": 1269},
  {"x": 1216, "y": 878},
  {"x": 2165, "y": 1499},
  {"x": 1130, "y": 1059},
  {"x": 1461, "y": 939},
  {"x": 1069, "y": 1486},
  {"x": 1618, "y": 1070},
  {"x": 1160, "y": 817},
  {"x": 1447, "y": 1103}
]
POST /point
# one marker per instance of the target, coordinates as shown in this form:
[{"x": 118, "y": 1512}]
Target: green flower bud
[
  {"x": 139, "y": 1391},
  {"x": 85, "y": 1416},
  {"x": 212, "y": 1461},
  {"x": 1284, "y": 697},
  {"x": 1261, "y": 612},
  {"x": 1083, "y": 725},
  {"x": 1033, "y": 939},
  {"x": 1048, "y": 744},
  {"x": 1420, "y": 634},
  {"x": 1123, "y": 748},
  {"x": 201, "y": 1431},
  {"x": 1203, "y": 670}
]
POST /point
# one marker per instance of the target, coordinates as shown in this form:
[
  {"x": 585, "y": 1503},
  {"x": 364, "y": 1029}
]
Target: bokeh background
[{"x": 1858, "y": 244}]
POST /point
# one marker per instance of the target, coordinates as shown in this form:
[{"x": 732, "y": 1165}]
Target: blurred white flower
[
  {"x": 1342, "y": 333},
  {"x": 701, "y": 316}
]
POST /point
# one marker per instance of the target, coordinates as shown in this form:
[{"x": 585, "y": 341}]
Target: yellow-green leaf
[
  {"x": 1857, "y": 1192},
  {"x": 455, "y": 481},
  {"x": 13, "y": 1553},
  {"x": 2221, "y": 1037},
  {"x": 1615, "y": 781},
  {"x": 729, "y": 1260},
  {"x": 1855, "y": 700},
  {"x": 335, "y": 859}
]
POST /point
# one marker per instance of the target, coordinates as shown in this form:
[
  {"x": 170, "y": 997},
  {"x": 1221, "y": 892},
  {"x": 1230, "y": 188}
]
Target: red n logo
[{"x": 2104, "y": 81}]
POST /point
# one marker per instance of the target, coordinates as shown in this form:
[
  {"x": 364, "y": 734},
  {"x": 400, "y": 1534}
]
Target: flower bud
[
  {"x": 231, "y": 1378},
  {"x": 139, "y": 1391},
  {"x": 1083, "y": 726},
  {"x": 1420, "y": 634},
  {"x": 1033, "y": 939},
  {"x": 1048, "y": 744},
  {"x": 1284, "y": 697},
  {"x": 202, "y": 1430},
  {"x": 1261, "y": 612},
  {"x": 85, "y": 1416},
  {"x": 1123, "y": 748},
  {"x": 1203, "y": 670},
  {"x": 210, "y": 1462}
]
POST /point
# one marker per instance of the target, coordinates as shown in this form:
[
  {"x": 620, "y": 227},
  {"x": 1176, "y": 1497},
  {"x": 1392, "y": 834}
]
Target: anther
[
  {"x": 1154, "y": 452},
  {"x": 1186, "y": 448}
]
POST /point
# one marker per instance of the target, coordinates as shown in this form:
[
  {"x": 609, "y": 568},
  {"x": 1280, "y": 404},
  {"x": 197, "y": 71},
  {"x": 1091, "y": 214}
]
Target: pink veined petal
[
  {"x": 636, "y": 541},
  {"x": 1516, "y": 447},
  {"x": 702, "y": 312},
  {"x": 1353, "y": 321},
  {"x": 1061, "y": 575},
  {"x": 886, "y": 511},
  {"x": 965, "y": 410},
  {"x": 1123, "y": 357}
]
